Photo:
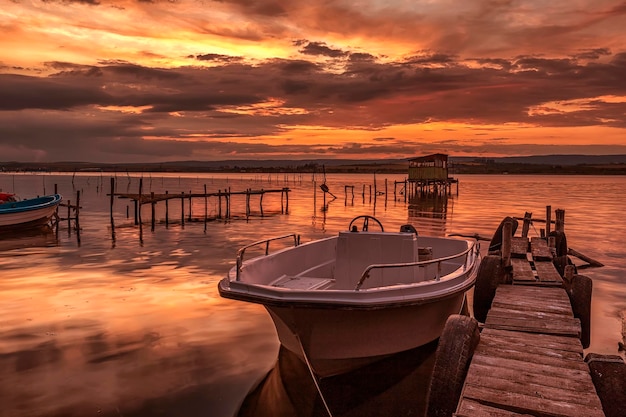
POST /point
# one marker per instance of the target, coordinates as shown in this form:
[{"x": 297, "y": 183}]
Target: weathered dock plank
[
  {"x": 514, "y": 372},
  {"x": 534, "y": 404},
  {"x": 475, "y": 409},
  {"x": 533, "y": 310},
  {"x": 540, "y": 250},
  {"x": 519, "y": 247},
  {"x": 522, "y": 271},
  {"x": 547, "y": 273}
]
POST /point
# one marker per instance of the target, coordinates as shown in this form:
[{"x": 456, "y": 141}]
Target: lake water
[{"x": 127, "y": 321}]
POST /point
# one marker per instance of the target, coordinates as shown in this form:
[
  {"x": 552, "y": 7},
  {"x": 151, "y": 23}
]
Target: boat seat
[
  {"x": 356, "y": 251},
  {"x": 302, "y": 283}
]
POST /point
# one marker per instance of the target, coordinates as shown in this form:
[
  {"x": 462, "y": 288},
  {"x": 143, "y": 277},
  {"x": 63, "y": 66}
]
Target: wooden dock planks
[
  {"x": 534, "y": 267},
  {"x": 522, "y": 271},
  {"x": 519, "y": 247},
  {"x": 533, "y": 310},
  {"x": 547, "y": 273},
  {"x": 529, "y": 361},
  {"x": 540, "y": 250},
  {"x": 515, "y": 373}
]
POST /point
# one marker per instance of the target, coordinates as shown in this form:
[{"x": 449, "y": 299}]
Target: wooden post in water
[
  {"x": 206, "y": 207},
  {"x": 140, "y": 199},
  {"x": 527, "y": 217},
  {"x": 247, "y": 203},
  {"x": 190, "y": 205},
  {"x": 152, "y": 210},
  {"x": 282, "y": 207},
  {"x": 167, "y": 209},
  {"x": 219, "y": 203},
  {"x": 261, "y": 202},
  {"x": 112, "y": 200},
  {"x": 77, "y": 211},
  {"x": 548, "y": 219},
  {"x": 182, "y": 209},
  {"x": 560, "y": 220},
  {"x": 286, "y": 200},
  {"x": 507, "y": 232},
  {"x": 228, "y": 195},
  {"x": 314, "y": 197},
  {"x": 69, "y": 215}
]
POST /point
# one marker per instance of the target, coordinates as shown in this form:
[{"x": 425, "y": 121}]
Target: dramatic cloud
[{"x": 170, "y": 80}]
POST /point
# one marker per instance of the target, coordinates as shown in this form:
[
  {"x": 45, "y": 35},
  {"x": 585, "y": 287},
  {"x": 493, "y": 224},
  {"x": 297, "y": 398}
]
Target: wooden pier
[
  {"x": 224, "y": 198},
  {"x": 529, "y": 358}
]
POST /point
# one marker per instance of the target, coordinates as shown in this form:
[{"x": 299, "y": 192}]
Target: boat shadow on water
[
  {"x": 396, "y": 385},
  {"x": 40, "y": 236}
]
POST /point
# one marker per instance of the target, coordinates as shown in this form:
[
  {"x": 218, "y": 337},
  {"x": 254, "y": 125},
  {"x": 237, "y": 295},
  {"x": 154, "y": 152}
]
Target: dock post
[
  {"x": 228, "y": 195},
  {"x": 286, "y": 201},
  {"x": 219, "y": 203},
  {"x": 77, "y": 211},
  {"x": 140, "y": 198},
  {"x": 112, "y": 200},
  {"x": 527, "y": 218},
  {"x": 261, "y": 202},
  {"x": 548, "y": 219},
  {"x": 206, "y": 205},
  {"x": 167, "y": 209},
  {"x": 152, "y": 210},
  {"x": 182, "y": 209},
  {"x": 560, "y": 220},
  {"x": 190, "y": 205},
  {"x": 507, "y": 232},
  {"x": 247, "y": 203}
]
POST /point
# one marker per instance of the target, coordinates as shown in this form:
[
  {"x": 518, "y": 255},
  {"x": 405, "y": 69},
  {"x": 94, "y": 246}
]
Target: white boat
[
  {"x": 345, "y": 301},
  {"x": 28, "y": 213}
]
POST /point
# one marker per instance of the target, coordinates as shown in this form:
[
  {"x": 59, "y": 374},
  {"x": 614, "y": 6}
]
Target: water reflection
[
  {"x": 397, "y": 386},
  {"x": 430, "y": 209},
  {"x": 44, "y": 236},
  {"x": 132, "y": 324}
]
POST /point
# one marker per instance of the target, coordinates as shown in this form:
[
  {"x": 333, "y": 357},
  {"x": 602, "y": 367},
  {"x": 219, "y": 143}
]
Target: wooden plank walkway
[{"x": 529, "y": 361}]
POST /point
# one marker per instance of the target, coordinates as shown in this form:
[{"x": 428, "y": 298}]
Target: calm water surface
[{"x": 127, "y": 320}]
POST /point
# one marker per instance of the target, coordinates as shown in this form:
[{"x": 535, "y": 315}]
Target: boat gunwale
[
  {"x": 339, "y": 304},
  {"x": 22, "y": 206}
]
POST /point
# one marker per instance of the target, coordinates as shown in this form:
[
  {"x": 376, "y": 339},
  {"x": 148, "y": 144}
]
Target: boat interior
[{"x": 340, "y": 263}]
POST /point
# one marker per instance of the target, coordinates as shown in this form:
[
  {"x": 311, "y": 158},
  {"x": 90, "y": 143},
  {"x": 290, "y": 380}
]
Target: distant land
[{"x": 539, "y": 164}]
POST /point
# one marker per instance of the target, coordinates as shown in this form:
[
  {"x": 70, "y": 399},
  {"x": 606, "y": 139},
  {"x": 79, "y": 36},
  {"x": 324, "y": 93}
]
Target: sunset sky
[{"x": 165, "y": 80}]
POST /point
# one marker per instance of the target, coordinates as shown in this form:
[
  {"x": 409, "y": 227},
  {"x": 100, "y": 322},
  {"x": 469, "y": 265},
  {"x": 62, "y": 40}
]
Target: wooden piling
[
  {"x": 261, "y": 202},
  {"x": 167, "y": 209},
  {"x": 526, "y": 225},
  {"x": 152, "y": 210},
  {"x": 507, "y": 233},
  {"x": 182, "y": 209}
]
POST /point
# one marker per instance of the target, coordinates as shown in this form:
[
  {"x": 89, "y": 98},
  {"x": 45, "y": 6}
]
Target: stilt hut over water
[{"x": 430, "y": 174}]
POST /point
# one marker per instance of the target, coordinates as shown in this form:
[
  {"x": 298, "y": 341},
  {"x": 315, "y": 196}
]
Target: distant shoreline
[{"x": 490, "y": 167}]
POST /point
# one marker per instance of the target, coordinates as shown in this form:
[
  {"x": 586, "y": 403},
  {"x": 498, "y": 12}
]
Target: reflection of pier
[{"x": 428, "y": 208}]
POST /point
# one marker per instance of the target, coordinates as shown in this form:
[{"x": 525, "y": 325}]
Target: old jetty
[
  {"x": 526, "y": 356},
  {"x": 224, "y": 202}
]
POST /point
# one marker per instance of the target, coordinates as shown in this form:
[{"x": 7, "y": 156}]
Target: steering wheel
[{"x": 366, "y": 220}]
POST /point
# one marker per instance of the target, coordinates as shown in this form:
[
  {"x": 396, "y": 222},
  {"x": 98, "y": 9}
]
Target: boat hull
[
  {"x": 28, "y": 213},
  {"x": 338, "y": 340},
  {"x": 341, "y": 303}
]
